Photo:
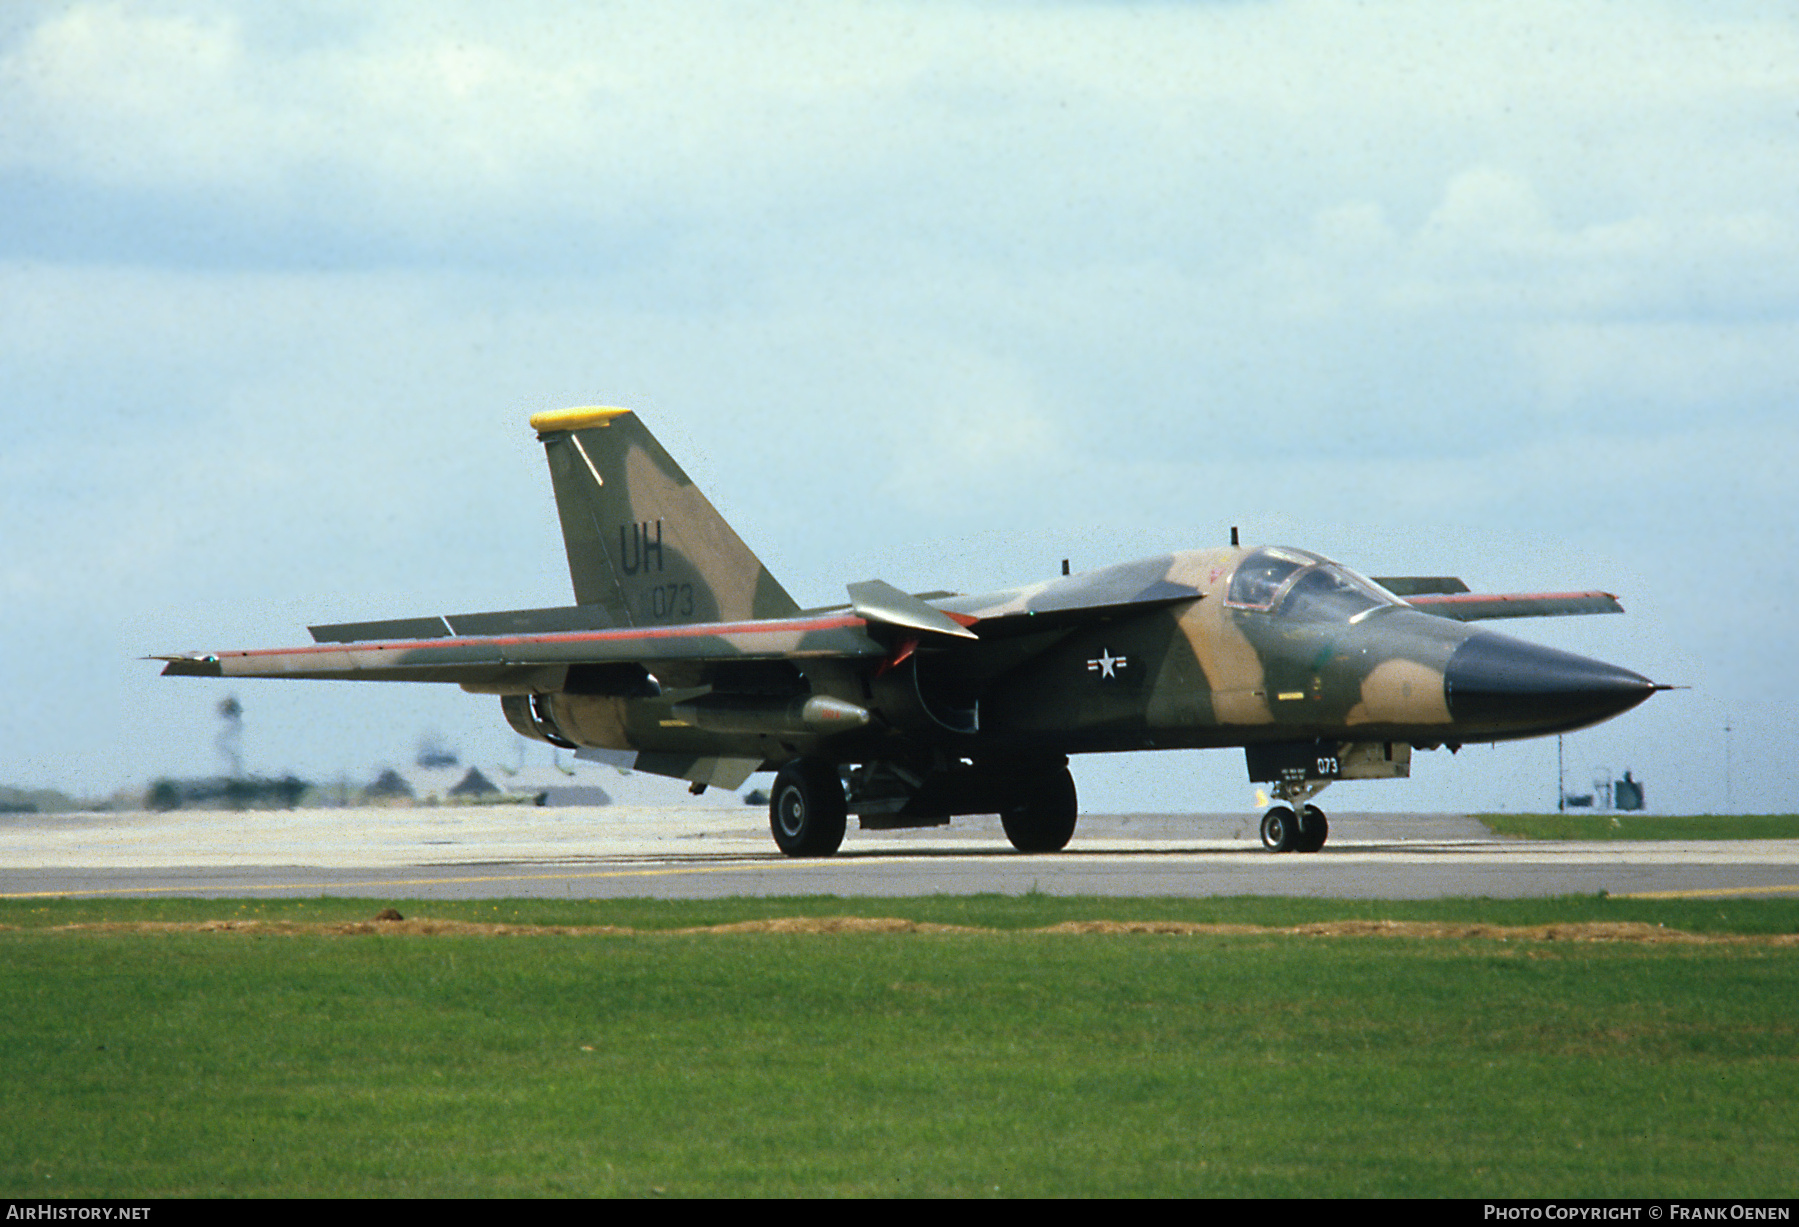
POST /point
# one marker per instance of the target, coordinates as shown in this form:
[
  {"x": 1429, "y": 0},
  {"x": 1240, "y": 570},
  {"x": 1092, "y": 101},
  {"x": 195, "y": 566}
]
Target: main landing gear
[
  {"x": 1286, "y": 829},
  {"x": 1041, "y": 812},
  {"x": 807, "y": 811},
  {"x": 1035, "y": 798}
]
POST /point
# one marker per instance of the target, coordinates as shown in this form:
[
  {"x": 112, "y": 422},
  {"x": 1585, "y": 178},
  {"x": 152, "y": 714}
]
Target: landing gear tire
[
  {"x": 1280, "y": 830},
  {"x": 1041, "y": 815},
  {"x": 1313, "y": 830},
  {"x": 807, "y": 811}
]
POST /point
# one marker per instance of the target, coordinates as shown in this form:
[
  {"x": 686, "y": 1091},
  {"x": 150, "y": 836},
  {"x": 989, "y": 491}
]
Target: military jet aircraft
[{"x": 684, "y": 657}]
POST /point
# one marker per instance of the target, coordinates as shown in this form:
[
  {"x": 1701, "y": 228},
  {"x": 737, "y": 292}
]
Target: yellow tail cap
[{"x": 573, "y": 419}]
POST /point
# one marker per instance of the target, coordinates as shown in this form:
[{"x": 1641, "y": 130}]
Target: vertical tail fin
[{"x": 642, "y": 540}]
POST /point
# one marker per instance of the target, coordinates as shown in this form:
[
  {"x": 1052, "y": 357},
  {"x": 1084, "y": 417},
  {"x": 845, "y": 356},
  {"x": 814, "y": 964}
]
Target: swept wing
[
  {"x": 1477, "y": 607},
  {"x": 1449, "y": 597}
]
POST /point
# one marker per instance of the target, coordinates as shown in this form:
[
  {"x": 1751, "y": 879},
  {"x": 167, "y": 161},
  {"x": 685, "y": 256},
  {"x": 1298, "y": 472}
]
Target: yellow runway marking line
[
  {"x": 512, "y": 877},
  {"x": 1712, "y": 892}
]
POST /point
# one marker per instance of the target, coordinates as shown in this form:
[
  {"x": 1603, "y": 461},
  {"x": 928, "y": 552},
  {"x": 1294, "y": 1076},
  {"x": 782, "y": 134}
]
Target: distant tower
[{"x": 230, "y": 741}]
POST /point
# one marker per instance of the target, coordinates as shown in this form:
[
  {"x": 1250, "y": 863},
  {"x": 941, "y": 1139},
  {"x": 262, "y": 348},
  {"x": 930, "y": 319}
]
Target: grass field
[
  {"x": 1610, "y": 826},
  {"x": 286, "y": 1060}
]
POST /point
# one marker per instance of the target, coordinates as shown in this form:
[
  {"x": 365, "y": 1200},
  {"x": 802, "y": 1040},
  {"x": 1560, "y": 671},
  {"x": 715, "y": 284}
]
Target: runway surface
[{"x": 616, "y": 851}]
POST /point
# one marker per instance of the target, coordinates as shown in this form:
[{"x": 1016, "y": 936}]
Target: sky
[{"x": 939, "y": 293}]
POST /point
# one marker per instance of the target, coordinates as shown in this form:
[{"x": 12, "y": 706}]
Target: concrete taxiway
[{"x": 673, "y": 852}]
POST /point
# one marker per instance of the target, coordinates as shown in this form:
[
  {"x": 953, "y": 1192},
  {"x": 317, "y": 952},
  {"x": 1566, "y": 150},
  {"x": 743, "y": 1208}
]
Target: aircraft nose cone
[{"x": 1496, "y": 684}]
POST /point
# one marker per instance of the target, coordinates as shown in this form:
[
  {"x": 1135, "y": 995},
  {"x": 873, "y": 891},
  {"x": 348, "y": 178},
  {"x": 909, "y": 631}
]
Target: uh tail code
[{"x": 640, "y": 547}]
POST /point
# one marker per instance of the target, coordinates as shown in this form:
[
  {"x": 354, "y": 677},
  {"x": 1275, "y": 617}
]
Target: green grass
[
  {"x": 1643, "y": 826},
  {"x": 1008, "y": 1063}
]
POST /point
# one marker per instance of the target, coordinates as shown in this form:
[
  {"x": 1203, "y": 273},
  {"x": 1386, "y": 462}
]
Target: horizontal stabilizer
[
  {"x": 532, "y": 621},
  {"x": 878, "y": 601},
  {"x": 394, "y": 628},
  {"x": 1476, "y": 607}
]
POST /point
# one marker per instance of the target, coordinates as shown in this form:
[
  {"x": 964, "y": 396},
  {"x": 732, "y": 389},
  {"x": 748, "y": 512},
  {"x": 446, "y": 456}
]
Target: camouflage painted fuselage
[{"x": 1079, "y": 665}]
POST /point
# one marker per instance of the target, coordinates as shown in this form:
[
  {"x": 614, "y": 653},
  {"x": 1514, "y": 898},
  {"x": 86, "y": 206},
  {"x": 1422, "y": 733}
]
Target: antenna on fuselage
[{"x": 1233, "y": 534}]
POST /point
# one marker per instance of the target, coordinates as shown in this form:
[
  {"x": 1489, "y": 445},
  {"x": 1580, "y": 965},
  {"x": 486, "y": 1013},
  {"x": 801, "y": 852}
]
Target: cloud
[{"x": 1065, "y": 132}]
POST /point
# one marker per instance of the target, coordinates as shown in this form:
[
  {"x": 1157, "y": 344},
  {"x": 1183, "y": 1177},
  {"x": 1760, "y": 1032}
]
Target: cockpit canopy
[{"x": 1304, "y": 587}]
